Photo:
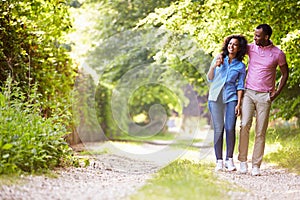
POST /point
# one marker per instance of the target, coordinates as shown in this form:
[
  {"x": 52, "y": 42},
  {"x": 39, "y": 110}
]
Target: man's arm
[{"x": 284, "y": 77}]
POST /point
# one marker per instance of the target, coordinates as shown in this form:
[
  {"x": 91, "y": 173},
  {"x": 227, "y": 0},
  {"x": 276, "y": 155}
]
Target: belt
[{"x": 257, "y": 91}]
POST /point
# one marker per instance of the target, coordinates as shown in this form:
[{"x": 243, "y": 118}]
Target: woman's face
[{"x": 233, "y": 46}]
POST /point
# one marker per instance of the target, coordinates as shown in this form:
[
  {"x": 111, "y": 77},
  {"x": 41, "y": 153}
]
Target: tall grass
[
  {"x": 288, "y": 147},
  {"x": 28, "y": 141},
  {"x": 282, "y": 146}
]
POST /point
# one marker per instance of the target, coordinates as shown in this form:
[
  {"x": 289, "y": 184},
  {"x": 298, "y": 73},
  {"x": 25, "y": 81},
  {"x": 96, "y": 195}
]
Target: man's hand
[
  {"x": 284, "y": 76},
  {"x": 273, "y": 95}
]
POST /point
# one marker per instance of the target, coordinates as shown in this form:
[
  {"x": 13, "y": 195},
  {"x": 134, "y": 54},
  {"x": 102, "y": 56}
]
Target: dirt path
[
  {"x": 112, "y": 176},
  {"x": 273, "y": 184},
  {"x": 97, "y": 181}
]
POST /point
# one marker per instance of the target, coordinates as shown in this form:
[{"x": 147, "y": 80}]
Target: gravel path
[
  {"x": 106, "y": 178},
  {"x": 97, "y": 181},
  {"x": 273, "y": 184}
]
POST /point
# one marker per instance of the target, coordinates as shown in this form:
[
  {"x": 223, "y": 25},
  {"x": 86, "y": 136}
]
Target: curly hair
[{"x": 242, "y": 46}]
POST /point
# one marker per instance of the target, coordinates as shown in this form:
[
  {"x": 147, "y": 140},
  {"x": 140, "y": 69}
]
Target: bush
[{"x": 29, "y": 142}]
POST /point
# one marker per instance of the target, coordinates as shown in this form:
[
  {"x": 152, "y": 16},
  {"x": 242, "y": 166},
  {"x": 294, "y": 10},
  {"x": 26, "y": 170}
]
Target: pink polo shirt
[{"x": 261, "y": 75}]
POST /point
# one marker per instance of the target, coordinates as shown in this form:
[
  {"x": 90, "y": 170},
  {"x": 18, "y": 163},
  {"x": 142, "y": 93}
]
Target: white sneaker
[
  {"x": 219, "y": 166},
  {"x": 255, "y": 171},
  {"x": 243, "y": 167},
  {"x": 229, "y": 165}
]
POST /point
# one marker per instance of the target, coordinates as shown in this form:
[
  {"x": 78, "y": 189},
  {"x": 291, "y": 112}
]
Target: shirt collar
[
  {"x": 265, "y": 47},
  {"x": 227, "y": 59}
]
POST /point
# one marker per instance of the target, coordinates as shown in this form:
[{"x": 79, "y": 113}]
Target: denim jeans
[{"x": 223, "y": 116}]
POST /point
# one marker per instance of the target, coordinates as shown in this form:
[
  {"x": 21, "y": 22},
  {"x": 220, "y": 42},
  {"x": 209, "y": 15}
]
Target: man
[{"x": 260, "y": 91}]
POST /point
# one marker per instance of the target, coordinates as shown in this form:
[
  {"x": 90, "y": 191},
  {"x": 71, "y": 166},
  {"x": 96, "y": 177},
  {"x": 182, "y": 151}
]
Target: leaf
[{"x": 7, "y": 146}]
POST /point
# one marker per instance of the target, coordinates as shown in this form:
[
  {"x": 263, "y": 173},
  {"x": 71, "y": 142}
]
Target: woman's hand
[
  {"x": 238, "y": 110},
  {"x": 212, "y": 68},
  {"x": 218, "y": 61},
  {"x": 221, "y": 58}
]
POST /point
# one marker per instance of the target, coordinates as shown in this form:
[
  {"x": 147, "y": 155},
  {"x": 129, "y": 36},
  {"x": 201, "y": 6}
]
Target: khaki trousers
[{"x": 257, "y": 103}]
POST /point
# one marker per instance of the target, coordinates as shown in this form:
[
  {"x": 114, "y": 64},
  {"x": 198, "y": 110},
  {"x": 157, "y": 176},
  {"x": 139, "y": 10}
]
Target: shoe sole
[{"x": 230, "y": 170}]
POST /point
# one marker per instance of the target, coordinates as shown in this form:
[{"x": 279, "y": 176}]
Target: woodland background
[{"x": 47, "y": 48}]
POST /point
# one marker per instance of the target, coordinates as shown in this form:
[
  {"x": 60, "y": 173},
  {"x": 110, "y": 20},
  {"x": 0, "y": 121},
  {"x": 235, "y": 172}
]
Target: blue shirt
[{"x": 228, "y": 78}]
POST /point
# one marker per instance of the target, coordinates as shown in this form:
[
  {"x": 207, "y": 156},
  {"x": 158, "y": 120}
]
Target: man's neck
[{"x": 267, "y": 43}]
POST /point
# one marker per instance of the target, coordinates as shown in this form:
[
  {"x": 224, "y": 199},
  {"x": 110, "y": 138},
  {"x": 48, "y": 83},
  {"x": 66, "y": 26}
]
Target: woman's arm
[
  {"x": 239, "y": 103},
  {"x": 240, "y": 89},
  {"x": 211, "y": 71}
]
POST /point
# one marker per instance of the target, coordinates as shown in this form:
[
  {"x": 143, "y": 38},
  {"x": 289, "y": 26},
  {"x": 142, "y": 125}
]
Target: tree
[
  {"x": 181, "y": 36},
  {"x": 121, "y": 50},
  {"x": 32, "y": 50},
  {"x": 211, "y": 20}
]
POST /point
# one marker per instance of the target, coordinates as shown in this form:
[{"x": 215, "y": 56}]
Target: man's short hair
[{"x": 266, "y": 29}]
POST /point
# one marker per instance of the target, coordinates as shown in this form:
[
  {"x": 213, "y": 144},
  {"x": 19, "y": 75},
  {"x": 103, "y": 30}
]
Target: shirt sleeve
[
  {"x": 248, "y": 48},
  {"x": 212, "y": 63},
  {"x": 281, "y": 59},
  {"x": 241, "y": 80}
]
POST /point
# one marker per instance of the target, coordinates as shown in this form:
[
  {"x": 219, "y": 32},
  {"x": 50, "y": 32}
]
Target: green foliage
[
  {"x": 117, "y": 16},
  {"x": 32, "y": 50},
  {"x": 287, "y": 155},
  {"x": 104, "y": 114},
  {"x": 157, "y": 73},
  {"x": 176, "y": 36},
  {"x": 288, "y": 105},
  {"x": 29, "y": 142},
  {"x": 184, "y": 179},
  {"x": 149, "y": 95},
  {"x": 210, "y": 21},
  {"x": 118, "y": 55}
]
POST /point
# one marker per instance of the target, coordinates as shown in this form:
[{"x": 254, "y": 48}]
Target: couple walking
[{"x": 234, "y": 92}]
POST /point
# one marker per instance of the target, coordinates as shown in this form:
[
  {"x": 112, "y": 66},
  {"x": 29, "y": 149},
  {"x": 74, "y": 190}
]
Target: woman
[{"x": 225, "y": 95}]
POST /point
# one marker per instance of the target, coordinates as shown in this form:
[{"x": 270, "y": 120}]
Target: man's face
[{"x": 260, "y": 37}]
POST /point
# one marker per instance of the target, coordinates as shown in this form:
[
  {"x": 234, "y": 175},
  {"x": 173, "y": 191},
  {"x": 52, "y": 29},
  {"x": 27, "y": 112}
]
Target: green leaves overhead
[
  {"x": 121, "y": 35},
  {"x": 209, "y": 22}
]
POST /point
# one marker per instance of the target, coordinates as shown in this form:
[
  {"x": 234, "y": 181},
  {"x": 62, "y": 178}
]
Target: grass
[
  {"x": 10, "y": 179},
  {"x": 167, "y": 136},
  {"x": 282, "y": 146},
  {"x": 287, "y": 148},
  {"x": 18, "y": 179},
  {"x": 160, "y": 136},
  {"x": 164, "y": 135},
  {"x": 96, "y": 152},
  {"x": 185, "y": 180}
]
